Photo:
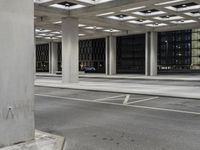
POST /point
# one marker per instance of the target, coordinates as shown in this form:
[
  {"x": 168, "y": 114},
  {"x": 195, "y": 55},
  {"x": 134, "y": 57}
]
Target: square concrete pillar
[
  {"x": 70, "y": 50},
  {"x": 151, "y": 50},
  {"x": 53, "y": 57},
  {"x": 111, "y": 55},
  {"x": 17, "y": 71}
]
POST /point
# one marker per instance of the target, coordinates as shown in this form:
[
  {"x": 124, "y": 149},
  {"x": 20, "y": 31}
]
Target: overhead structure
[{"x": 101, "y": 18}]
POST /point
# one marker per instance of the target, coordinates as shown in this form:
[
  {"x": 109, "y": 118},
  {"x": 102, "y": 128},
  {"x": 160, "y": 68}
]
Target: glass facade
[
  {"x": 174, "y": 50},
  {"x": 42, "y": 58},
  {"x": 91, "y": 54},
  {"x": 178, "y": 51},
  {"x": 131, "y": 54}
]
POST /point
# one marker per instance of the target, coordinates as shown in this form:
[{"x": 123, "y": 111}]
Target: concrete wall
[{"x": 16, "y": 71}]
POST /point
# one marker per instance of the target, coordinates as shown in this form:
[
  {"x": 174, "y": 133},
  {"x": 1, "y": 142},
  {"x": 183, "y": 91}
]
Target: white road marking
[
  {"x": 133, "y": 106},
  {"x": 143, "y": 100},
  {"x": 108, "y": 98},
  {"x": 69, "y": 98},
  {"x": 126, "y": 99}
]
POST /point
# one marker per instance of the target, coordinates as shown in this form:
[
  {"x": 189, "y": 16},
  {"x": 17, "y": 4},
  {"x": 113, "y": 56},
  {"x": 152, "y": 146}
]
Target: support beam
[
  {"x": 53, "y": 57},
  {"x": 111, "y": 55},
  {"x": 151, "y": 54},
  {"x": 70, "y": 52},
  {"x": 17, "y": 71}
]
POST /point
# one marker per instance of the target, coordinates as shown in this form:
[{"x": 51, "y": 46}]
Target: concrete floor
[
  {"x": 100, "y": 120},
  {"x": 146, "y": 82}
]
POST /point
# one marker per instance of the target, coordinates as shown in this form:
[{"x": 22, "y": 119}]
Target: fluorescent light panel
[
  {"x": 149, "y": 14},
  {"x": 183, "y": 21},
  {"x": 42, "y": 1},
  {"x": 94, "y": 1},
  {"x": 111, "y": 30},
  {"x": 93, "y": 28},
  {"x": 169, "y": 19},
  {"x": 169, "y": 2},
  {"x": 140, "y": 22},
  {"x": 67, "y": 8},
  {"x": 156, "y": 25},
  {"x": 105, "y": 14},
  {"x": 132, "y": 9},
  {"x": 121, "y": 19},
  {"x": 184, "y": 8},
  {"x": 80, "y": 34},
  {"x": 193, "y": 14}
]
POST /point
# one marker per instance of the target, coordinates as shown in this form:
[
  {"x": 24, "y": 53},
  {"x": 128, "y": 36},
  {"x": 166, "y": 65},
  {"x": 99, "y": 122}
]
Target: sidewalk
[
  {"x": 147, "y": 89},
  {"x": 175, "y": 77},
  {"x": 43, "y": 141}
]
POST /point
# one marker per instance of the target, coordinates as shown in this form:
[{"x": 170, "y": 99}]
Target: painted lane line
[
  {"x": 108, "y": 98},
  {"x": 117, "y": 104},
  {"x": 143, "y": 100},
  {"x": 166, "y": 109},
  {"x": 69, "y": 98},
  {"x": 126, "y": 99}
]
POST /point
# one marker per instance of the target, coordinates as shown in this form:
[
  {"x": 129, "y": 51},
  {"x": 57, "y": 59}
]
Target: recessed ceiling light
[
  {"x": 56, "y": 32},
  {"x": 151, "y": 12},
  {"x": 95, "y": 1},
  {"x": 121, "y": 17},
  {"x": 57, "y": 22},
  {"x": 93, "y": 28},
  {"x": 184, "y": 7},
  {"x": 51, "y": 38},
  {"x": 81, "y": 25},
  {"x": 67, "y": 7},
  {"x": 80, "y": 34},
  {"x": 42, "y": 30},
  {"x": 111, "y": 30},
  {"x": 168, "y": 18}
]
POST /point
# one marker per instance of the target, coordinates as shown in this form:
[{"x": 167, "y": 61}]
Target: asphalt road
[{"x": 113, "y": 121}]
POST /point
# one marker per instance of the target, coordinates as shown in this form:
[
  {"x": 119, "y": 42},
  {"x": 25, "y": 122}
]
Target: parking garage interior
[{"x": 99, "y": 74}]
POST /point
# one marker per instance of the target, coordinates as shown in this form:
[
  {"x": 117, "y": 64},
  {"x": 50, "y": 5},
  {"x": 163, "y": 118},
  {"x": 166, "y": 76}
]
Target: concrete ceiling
[{"x": 100, "y": 18}]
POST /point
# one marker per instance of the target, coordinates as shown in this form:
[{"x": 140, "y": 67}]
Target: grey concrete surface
[
  {"x": 138, "y": 81},
  {"x": 158, "y": 88},
  {"x": 88, "y": 125},
  {"x": 16, "y": 71},
  {"x": 42, "y": 141}
]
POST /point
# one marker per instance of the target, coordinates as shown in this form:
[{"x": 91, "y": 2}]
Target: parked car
[{"x": 89, "y": 69}]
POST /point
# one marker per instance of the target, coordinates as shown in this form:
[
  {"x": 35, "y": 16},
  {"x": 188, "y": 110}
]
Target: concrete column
[
  {"x": 147, "y": 54},
  {"x": 151, "y": 54},
  {"x": 17, "y": 71},
  {"x": 70, "y": 50},
  {"x": 111, "y": 55},
  {"x": 53, "y": 57}
]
